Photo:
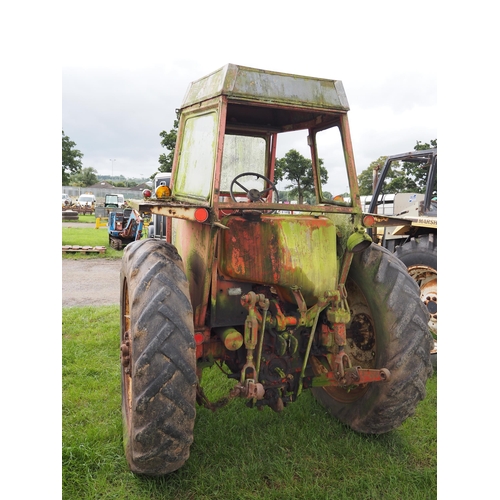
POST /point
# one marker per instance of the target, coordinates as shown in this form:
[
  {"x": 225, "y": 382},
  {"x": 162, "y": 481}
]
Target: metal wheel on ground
[
  {"x": 388, "y": 329},
  {"x": 158, "y": 358}
]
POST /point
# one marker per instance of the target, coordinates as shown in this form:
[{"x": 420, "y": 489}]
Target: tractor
[
  {"x": 124, "y": 226},
  {"x": 281, "y": 302},
  {"x": 414, "y": 241}
]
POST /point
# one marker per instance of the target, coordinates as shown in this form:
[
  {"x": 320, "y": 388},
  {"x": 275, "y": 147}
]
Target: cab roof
[{"x": 260, "y": 86}]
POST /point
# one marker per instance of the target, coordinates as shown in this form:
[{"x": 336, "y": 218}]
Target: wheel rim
[
  {"x": 360, "y": 347},
  {"x": 426, "y": 278},
  {"x": 126, "y": 355}
]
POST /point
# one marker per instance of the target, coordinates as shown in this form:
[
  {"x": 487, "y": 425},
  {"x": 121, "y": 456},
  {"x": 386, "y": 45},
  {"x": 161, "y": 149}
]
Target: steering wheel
[{"x": 254, "y": 195}]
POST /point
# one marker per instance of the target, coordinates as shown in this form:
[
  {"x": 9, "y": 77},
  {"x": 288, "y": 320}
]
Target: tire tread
[{"x": 163, "y": 358}]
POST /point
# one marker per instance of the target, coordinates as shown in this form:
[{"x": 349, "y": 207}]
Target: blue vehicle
[{"x": 124, "y": 227}]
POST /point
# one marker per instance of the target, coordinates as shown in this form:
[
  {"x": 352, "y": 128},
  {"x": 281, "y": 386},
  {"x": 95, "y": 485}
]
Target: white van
[
  {"x": 385, "y": 205},
  {"x": 86, "y": 200}
]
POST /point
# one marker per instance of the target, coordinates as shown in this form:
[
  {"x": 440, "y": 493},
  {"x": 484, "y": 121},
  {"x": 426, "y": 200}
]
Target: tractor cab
[
  {"x": 226, "y": 179},
  {"x": 235, "y": 122},
  {"x": 111, "y": 201}
]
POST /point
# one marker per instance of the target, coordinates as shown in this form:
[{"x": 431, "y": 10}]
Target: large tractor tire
[
  {"x": 419, "y": 255},
  {"x": 158, "y": 358},
  {"x": 388, "y": 329}
]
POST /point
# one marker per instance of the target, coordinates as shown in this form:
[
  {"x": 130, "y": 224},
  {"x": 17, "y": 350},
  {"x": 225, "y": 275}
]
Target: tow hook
[
  {"x": 346, "y": 376},
  {"x": 249, "y": 389}
]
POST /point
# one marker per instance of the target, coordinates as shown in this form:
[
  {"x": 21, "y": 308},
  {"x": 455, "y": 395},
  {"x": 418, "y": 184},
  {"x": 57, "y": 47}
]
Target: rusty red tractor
[{"x": 282, "y": 301}]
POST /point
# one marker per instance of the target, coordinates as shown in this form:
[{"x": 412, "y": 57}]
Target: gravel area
[{"x": 90, "y": 282}]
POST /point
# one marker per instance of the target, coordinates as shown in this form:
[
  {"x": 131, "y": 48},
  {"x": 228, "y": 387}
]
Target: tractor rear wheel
[
  {"x": 388, "y": 329},
  {"x": 158, "y": 358}
]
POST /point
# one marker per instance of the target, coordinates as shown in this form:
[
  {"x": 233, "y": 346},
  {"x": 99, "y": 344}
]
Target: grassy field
[
  {"x": 88, "y": 235},
  {"x": 238, "y": 453},
  {"x": 87, "y": 218}
]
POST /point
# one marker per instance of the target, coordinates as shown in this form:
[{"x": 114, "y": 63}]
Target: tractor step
[{"x": 80, "y": 249}]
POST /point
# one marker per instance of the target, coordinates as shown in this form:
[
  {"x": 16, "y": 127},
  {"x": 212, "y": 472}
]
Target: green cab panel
[{"x": 281, "y": 251}]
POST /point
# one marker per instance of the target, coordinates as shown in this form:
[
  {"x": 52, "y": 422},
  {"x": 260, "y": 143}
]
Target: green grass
[
  {"x": 90, "y": 236},
  {"x": 87, "y": 218},
  {"x": 238, "y": 453}
]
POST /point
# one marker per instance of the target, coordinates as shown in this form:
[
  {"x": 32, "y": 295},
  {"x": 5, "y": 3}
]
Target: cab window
[
  {"x": 243, "y": 154},
  {"x": 197, "y": 157}
]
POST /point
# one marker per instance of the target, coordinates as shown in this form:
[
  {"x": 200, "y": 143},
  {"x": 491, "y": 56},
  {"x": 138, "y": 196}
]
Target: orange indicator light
[
  {"x": 368, "y": 220},
  {"x": 201, "y": 214}
]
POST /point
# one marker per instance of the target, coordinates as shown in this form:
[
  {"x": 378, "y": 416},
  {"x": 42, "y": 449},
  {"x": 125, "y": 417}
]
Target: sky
[{"x": 125, "y": 71}]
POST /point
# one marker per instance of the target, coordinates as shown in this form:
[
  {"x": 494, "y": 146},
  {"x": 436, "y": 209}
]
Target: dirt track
[{"x": 90, "y": 282}]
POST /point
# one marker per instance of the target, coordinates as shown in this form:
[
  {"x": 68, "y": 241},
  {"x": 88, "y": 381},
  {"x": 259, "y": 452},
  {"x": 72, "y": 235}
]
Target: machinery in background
[{"x": 124, "y": 227}]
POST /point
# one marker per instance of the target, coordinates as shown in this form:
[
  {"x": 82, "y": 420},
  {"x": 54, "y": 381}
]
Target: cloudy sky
[{"x": 125, "y": 69}]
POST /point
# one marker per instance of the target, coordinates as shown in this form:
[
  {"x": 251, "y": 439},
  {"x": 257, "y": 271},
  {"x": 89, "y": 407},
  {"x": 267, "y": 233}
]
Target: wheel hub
[
  {"x": 361, "y": 339},
  {"x": 426, "y": 278}
]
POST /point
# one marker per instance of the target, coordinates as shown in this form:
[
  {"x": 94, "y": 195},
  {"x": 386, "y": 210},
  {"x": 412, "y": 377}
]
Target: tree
[
  {"x": 71, "y": 159},
  {"x": 298, "y": 170},
  {"x": 426, "y": 145},
  {"x": 406, "y": 177},
  {"x": 365, "y": 178},
  {"x": 86, "y": 177},
  {"x": 168, "y": 141}
]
